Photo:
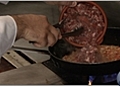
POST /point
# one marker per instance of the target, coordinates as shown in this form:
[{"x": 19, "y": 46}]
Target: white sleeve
[{"x": 8, "y": 32}]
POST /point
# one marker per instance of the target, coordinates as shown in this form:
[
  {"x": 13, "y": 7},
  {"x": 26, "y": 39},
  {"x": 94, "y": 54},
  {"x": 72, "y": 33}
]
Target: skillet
[{"x": 61, "y": 48}]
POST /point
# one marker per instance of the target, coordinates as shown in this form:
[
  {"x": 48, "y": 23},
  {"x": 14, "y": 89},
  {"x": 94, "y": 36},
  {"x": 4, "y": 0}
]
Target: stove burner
[
  {"x": 104, "y": 78},
  {"x": 73, "y": 79},
  {"x": 110, "y": 78}
]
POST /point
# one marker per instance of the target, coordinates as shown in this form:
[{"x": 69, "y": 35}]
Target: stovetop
[
  {"x": 74, "y": 79},
  {"x": 111, "y": 34}
]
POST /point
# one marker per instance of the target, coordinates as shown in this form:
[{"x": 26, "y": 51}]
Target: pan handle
[{"x": 16, "y": 48}]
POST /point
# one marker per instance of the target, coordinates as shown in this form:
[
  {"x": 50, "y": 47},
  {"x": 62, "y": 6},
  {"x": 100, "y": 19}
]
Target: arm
[
  {"x": 30, "y": 27},
  {"x": 36, "y": 28}
]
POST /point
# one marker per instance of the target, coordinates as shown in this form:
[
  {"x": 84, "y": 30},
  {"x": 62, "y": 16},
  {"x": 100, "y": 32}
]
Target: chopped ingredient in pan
[
  {"x": 83, "y": 55},
  {"x": 110, "y": 52}
]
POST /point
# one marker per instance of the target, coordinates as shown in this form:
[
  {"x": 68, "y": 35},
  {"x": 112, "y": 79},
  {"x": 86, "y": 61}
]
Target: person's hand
[
  {"x": 61, "y": 4},
  {"x": 36, "y": 28}
]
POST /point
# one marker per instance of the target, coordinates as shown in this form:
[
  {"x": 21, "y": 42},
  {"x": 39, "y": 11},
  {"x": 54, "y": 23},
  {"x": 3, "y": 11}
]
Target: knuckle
[{"x": 43, "y": 35}]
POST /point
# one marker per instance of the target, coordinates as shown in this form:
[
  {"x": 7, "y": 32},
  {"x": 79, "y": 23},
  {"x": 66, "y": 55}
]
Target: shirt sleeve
[{"x": 8, "y": 32}]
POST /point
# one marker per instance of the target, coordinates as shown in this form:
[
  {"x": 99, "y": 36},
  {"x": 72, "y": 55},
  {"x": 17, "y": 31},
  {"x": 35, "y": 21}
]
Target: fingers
[
  {"x": 46, "y": 42},
  {"x": 41, "y": 40},
  {"x": 49, "y": 38},
  {"x": 53, "y": 36},
  {"x": 55, "y": 32},
  {"x": 37, "y": 29}
]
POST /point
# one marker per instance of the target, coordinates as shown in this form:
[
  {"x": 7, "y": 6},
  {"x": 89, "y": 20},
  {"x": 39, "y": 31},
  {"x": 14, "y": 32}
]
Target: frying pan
[{"x": 61, "y": 48}]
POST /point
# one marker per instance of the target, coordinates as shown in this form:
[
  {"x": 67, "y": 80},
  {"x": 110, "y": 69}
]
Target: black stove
[
  {"x": 74, "y": 79},
  {"x": 112, "y": 36}
]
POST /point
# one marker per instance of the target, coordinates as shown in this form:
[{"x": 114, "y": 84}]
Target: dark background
[{"x": 111, "y": 8}]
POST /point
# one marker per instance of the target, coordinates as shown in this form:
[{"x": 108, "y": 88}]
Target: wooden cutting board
[{"x": 35, "y": 74}]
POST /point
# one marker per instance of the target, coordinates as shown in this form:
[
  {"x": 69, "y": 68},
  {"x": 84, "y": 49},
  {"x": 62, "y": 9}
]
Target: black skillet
[
  {"x": 61, "y": 48},
  {"x": 112, "y": 37}
]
